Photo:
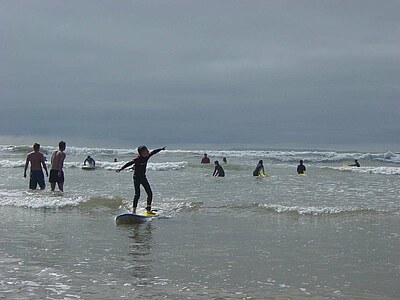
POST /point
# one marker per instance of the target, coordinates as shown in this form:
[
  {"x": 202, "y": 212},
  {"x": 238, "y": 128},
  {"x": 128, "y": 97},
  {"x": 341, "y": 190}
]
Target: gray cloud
[{"x": 306, "y": 73}]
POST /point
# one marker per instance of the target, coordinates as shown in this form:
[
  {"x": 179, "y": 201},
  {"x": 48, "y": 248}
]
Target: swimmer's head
[
  {"x": 143, "y": 151},
  {"x": 62, "y": 145}
]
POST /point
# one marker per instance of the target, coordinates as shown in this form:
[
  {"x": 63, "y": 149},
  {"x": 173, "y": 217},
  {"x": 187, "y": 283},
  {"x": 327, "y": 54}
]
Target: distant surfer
[
  {"x": 205, "y": 159},
  {"x": 139, "y": 176},
  {"x": 356, "y": 164},
  {"x": 90, "y": 161},
  {"x": 259, "y": 170},
  {"x": 57, "y": 164},
  {"x": 224, "y": 160},
  {"x": 301, "y": 168},
  {"x": 218, "y": 170},
  {"x": 37, "y": 161}
]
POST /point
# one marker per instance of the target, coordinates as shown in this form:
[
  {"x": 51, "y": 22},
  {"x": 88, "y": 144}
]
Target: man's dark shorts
[
  {"x": 55, "y": 178},
  {"x": 37, "y": 178}
]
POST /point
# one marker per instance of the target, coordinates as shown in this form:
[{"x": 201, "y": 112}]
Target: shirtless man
[
  {"x": 37, "y": 160},
  {"x": 56, "y": 171},
  {"x": 205, "y": 159}
]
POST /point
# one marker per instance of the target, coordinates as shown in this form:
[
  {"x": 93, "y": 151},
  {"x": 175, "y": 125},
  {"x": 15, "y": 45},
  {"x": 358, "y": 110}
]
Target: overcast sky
[{"x": 303, "y": 74}]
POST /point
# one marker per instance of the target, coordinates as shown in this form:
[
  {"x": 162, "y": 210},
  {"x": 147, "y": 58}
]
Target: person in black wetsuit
[
  {"x": 356, "y": 164},
  {"x": 301, "y": 168},
  {"x": 259, "y": 170},
  {"x": 139, "y": 175},
  {"x": 90, "y": 161},
  {"x": 218, "y": 171}
]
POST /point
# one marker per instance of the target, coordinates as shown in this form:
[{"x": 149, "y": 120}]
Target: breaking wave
[
  {"x": 316, "y": 210},
  {"x": 368, "y": 170},
  {"x": 165, "y": 166},
  {"x": 307, "y": 156},
  {"x": 275, "y": 155},
  {"x": 54, "y": 200}
]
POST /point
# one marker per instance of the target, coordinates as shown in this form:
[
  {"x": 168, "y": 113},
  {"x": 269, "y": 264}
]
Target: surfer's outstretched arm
[
  {"x": 156, "y": 151},
  {"x": 125, "y": 166}
]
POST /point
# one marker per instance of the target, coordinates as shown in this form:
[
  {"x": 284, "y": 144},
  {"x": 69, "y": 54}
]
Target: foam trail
[
  {"x": 276, "y": 155},
  {"x": 323, "y": 210},
  {"x": 39, "y": 199},
  {"x": 368, "y": 170}
]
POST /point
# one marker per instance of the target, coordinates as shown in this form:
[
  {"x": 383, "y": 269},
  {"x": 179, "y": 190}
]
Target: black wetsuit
[
  {"x": 90, "y": 161},
  {"x": 259, "y": 167},
  {"x": 301, "y": 169},
  {"x": 139, "y": 177},
  {"x": 219, "y": 171},
  {"x": 355, "y": 165}
]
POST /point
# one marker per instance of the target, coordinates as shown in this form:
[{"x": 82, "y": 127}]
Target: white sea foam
[
  {"x": 291, "y": 156},
  {"x": 368, "y": 170},
  {"x": 84, "y": 151},
  {"x": 12, "y": 163},
  {"x": 39, "y": 199},
  {"x": 283, "y": 155},
  {"x": 314, "y": 210},
  {"x": 162, "y": 166},
  {"x": 167, "y": 166}
]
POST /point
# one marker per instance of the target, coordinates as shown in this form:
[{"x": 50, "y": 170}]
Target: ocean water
[{"x": 333, "y": 234}]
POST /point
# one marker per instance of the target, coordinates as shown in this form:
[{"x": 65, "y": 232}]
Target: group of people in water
[
  {"x": 258, "y": 171},
  {"x": 218, "y": 170},
  {"x": 37, "y": 162}
]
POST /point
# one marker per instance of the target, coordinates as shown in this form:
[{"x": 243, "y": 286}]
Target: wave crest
[
  {"x": 319, "y": 210},
  {"x": 368, "y": 170}
]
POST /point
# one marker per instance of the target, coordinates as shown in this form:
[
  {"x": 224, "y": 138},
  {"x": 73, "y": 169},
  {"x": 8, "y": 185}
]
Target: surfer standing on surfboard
[{"x": 139, "y": 176}]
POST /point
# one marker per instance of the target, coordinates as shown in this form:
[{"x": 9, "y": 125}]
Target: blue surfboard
[{"x": 129, "y": 218}]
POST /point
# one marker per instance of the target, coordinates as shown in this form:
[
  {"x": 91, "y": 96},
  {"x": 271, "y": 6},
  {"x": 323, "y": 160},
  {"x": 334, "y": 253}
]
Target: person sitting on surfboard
[
  {"x": 259, "y": 170},
  {"x": 205, "y": 159},
  {"x": 139, "y": 176},
  {"x": 218, "y": 170},
  {"x": 356, "y": 164},
  {"x": 90, "y": 161},
  {"x": 301, "y": 168}
]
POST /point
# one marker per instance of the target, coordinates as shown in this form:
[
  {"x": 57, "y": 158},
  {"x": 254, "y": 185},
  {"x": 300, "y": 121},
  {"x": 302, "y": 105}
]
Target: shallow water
[{"x": 332, "y": 234}]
